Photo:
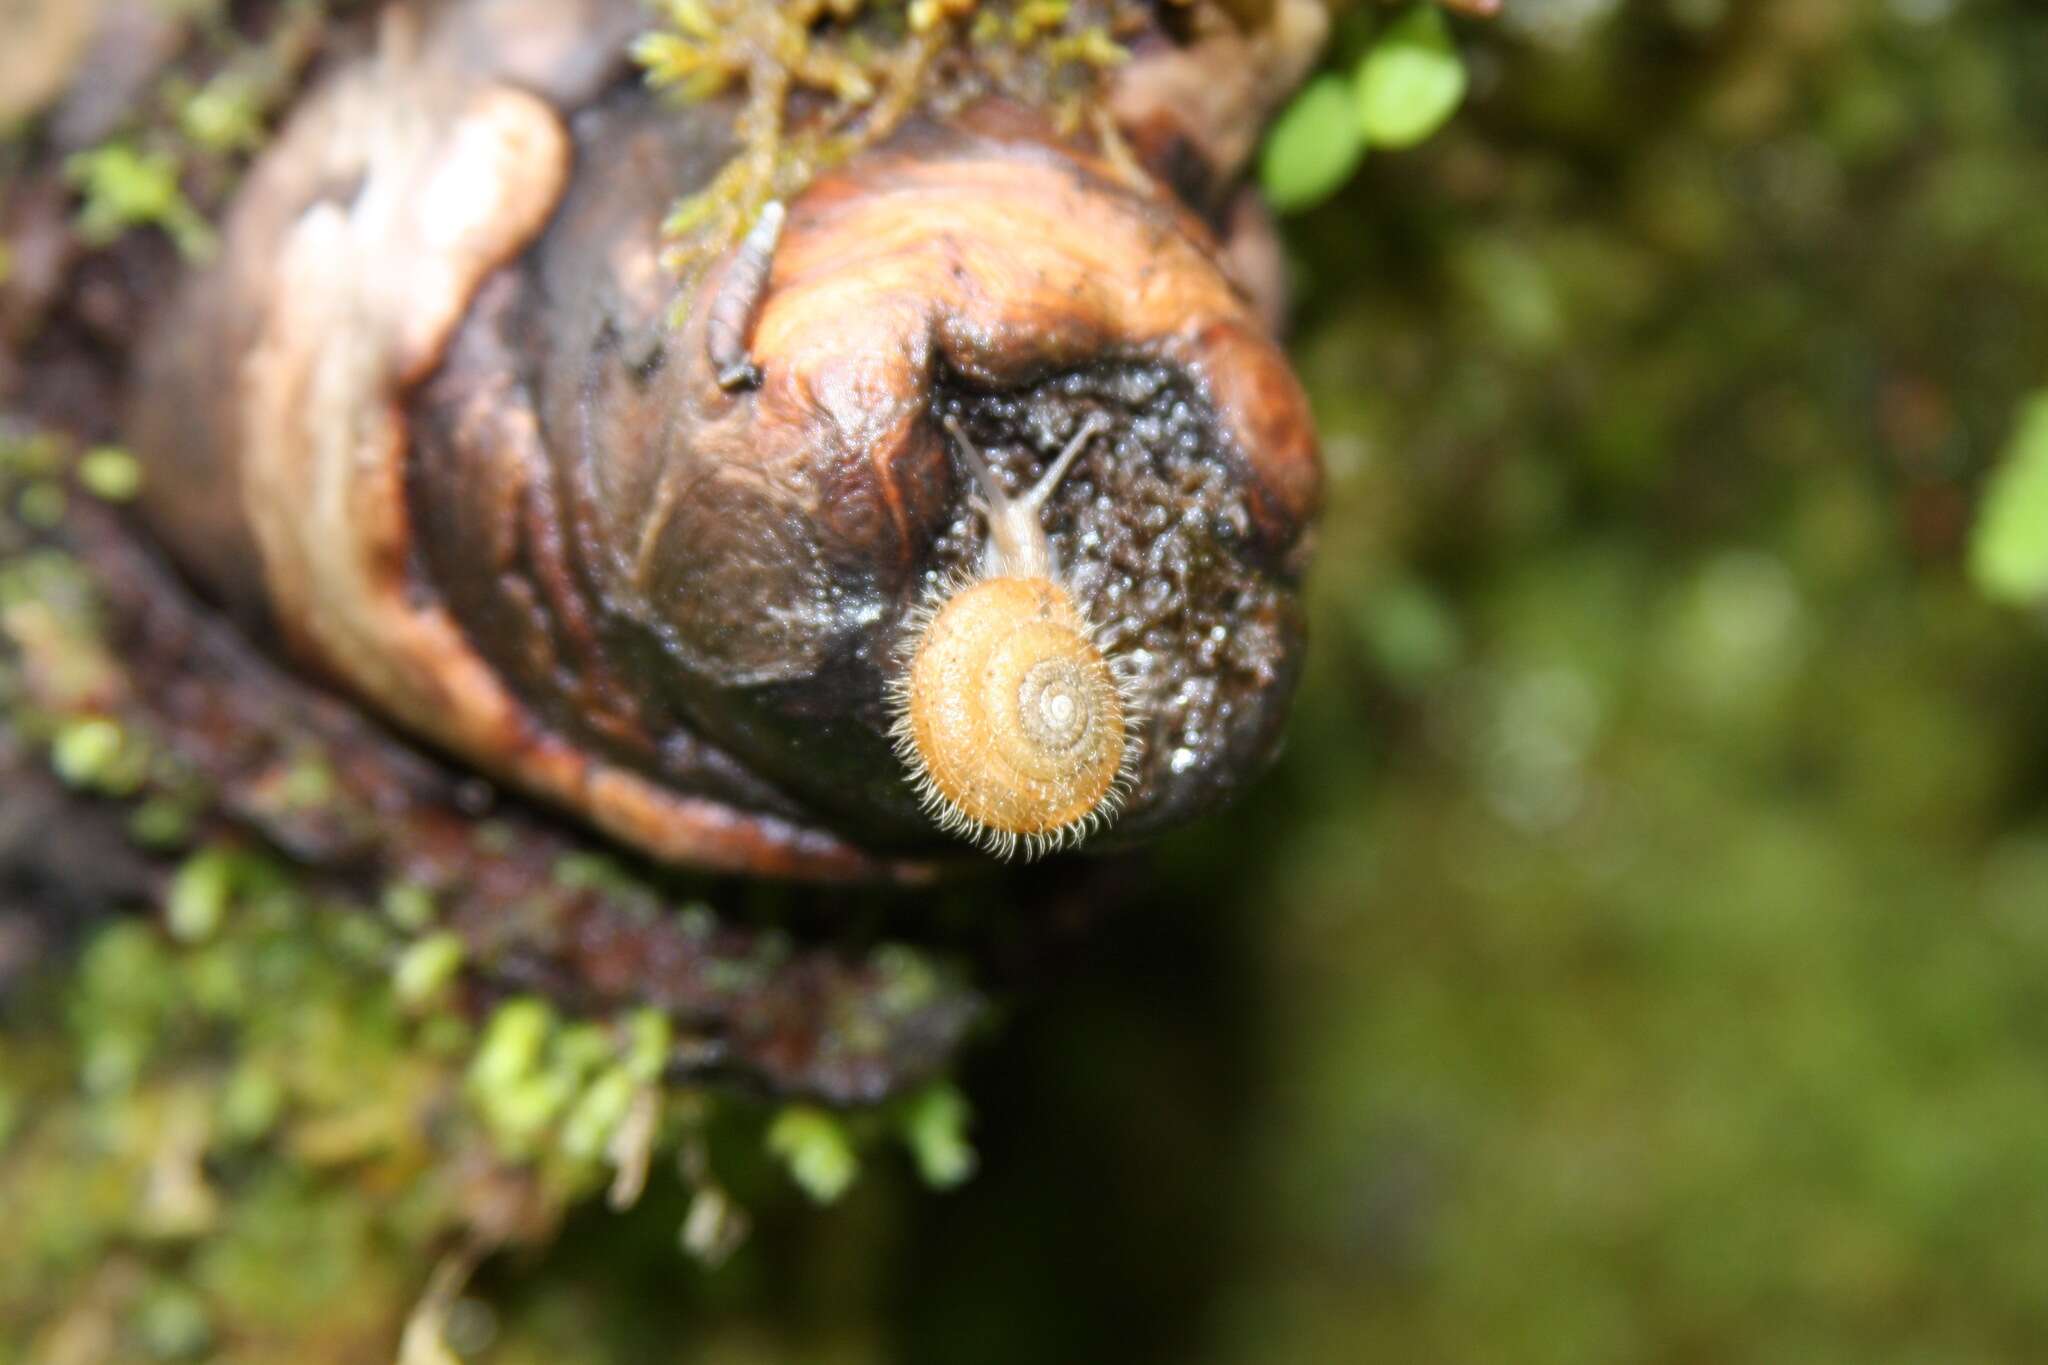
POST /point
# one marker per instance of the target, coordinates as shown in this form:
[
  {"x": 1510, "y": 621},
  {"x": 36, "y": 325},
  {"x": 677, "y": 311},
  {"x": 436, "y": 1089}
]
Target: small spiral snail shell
[{"x": 1008, "y": 714}]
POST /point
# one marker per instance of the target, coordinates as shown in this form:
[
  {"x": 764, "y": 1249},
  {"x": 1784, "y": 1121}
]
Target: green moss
[
  {"x": 862, "y": 66},
  {"x": 172, "y": 1322},
  {"x": 163, "y": 823},
  {"x": 206, "y": 886},
  {"x": 41, "y": 504},
  {"x": 254, "y": 1113},
  {"x": 594, "y": 871},
  {"x": 122, "y": 187},
  {"x": 30, "y": 454},
  {"x": 251, "y": 1096},
  {"x": 409, "y": 906},
  {"x": 199, "y": 125},
  {"x": 556, "y": 1093}
]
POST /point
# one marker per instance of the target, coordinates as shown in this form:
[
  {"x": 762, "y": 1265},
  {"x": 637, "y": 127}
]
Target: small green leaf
[
  {"x": 815, "y": 1147},
  {"x": 123, "y": 187},
  {"x": 84, "y": 752},
  {"x": 715, "y": 1226},
  {"x": 647, "y": 1045},
  {"x": 934, "y": 1126},
  {"x": 250, "y": 1103},
  {"x": 2009, "y": 548},
  {"x": 200, "y": 891},
  {"x": 1313, "y": 148},
  {"x": 425, "y": 969},
  {"x": 512, "y": 1045},
  {"x": 171, "y": 1323},
  {"x": 1411, "y": 80},
  {"x": 111, "y": 473},
  {"x": 161, "y": 823},
  {"x": 225, "y": 115},
  {"x": 597, "y": 1114}
]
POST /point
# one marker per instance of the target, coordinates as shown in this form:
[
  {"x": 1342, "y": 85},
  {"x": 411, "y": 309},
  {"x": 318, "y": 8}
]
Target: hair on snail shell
[{"x": 1012, "y": 719}]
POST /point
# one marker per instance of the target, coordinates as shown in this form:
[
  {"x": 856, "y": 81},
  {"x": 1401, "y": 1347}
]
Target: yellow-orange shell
[{"x": 1011, "y": 719}]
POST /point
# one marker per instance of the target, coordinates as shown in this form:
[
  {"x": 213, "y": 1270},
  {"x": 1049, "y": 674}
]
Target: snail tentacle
[
  {"x": 1011, "y": 718},
  {"x": 1017, "y": 542}
]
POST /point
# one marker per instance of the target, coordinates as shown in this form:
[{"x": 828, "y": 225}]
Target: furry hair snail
[
  {"x": 430, "y": 424},
  {"x": 1007, "y": 711}
]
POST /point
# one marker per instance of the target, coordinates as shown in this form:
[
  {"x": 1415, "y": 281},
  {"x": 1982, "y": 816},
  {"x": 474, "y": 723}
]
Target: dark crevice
[{"x": 1153, "y": 533}]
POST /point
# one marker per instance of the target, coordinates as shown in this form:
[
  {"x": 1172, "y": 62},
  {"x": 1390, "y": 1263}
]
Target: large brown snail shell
[{"x": 430, "y": 422}]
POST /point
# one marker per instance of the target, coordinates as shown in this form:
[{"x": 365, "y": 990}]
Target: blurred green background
[{"x": 1641, "y": 952}]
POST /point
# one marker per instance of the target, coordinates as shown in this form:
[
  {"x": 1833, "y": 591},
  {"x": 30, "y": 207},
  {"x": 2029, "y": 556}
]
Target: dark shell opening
[{"x": 1153, "y": 534}]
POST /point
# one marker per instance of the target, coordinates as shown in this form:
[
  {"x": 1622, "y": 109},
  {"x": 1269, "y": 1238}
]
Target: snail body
[{"x": 431, "y": 424}]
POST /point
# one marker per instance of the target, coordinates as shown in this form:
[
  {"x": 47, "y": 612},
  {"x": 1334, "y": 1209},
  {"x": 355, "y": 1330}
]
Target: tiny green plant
[
  {"x": 1400, "y": 90},
  {"x": 858, "y": 68},
  {"x": 124, "y": 187},
  {"x": 2009, "y": 547},
  {"x": 1411, "y": 81}
]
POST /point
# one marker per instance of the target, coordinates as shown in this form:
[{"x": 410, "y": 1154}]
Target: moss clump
[
  {"x": 242, "y": 1132},
  {"x": 172, "y": 162},
  {"x": 195, "y": 1111},
  {"x": 824, "y": 78}
]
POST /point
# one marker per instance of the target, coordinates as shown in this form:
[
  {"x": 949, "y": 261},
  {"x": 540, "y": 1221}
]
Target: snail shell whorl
[{"x": 1011, "y": 719}]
